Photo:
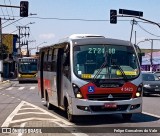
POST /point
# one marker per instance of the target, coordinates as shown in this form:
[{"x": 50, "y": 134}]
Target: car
[
  {"x": 157, "y": 73},
  {"x": 151, "y": 83}
]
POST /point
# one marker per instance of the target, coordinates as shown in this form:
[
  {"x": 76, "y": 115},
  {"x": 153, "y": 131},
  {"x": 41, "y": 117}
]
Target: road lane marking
[
  {"x": 33, "y": 87},
  {"x": 31, "y": 113},
  {"x": 10, "y": 117},
  {"x": 35, "y": 119},
  {"x": 10, "y": 88},
  {"x": 55, "y": 118},
  {"x": 27, "y": 108},
  {"x": 21, "y": 88},
  {"x": 51, "y": 114},
  {"x": 150, "y": 114},
  {"x": 24, "y": 103}
]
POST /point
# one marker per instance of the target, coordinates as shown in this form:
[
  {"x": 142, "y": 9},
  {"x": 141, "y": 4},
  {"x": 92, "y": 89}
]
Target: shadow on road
[{"x": 107, "y": 119}]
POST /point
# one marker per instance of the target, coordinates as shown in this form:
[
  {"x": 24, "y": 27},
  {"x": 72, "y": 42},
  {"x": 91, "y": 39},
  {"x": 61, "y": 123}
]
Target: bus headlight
[
  {"x": 77, "y": 91},
  {"x": 138, "y": 94},
  {"x": 139, "y": 90},
  {"x": 19, "y": 75}
]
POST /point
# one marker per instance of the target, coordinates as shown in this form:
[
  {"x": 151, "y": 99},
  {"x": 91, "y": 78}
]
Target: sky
[{"x": 56, "y": 19}]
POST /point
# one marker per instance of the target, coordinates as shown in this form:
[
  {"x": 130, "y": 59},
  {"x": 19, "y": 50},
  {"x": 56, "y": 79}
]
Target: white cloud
[{"x": 47, "y": 36}]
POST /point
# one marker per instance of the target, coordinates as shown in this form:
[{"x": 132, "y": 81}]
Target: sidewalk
[{"x": 4, "y": 84}]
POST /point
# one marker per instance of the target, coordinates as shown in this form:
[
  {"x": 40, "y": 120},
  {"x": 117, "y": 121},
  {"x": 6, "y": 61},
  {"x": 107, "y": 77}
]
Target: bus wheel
[
  {"x": 49, "y": 106},
  {"x": 70, "y": 117},
  {"x": 127, "y": 117}
]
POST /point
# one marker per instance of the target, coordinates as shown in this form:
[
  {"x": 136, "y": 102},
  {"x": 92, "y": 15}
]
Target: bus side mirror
[
  {"x": 140, "y": 54},
  {"x": 140, "y": 57}
]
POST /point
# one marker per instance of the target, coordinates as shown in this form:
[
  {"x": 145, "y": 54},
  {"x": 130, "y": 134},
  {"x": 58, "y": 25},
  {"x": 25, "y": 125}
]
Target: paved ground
[
  {"x": 5, "y": 84},
  {"x": 46, "y": 125}
]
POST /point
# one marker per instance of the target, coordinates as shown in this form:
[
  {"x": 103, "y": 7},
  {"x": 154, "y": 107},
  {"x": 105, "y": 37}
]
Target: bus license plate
[{"x": 110, "y": 105}]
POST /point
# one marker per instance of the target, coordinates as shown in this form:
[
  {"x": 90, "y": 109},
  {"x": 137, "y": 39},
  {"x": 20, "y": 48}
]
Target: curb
[
  {"x": 6, "y": 81},
  {"x": 5, "y": 84}
]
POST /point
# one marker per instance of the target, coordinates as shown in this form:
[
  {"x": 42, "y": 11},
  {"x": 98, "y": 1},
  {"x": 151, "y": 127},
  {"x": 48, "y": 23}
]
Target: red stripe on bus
[{"x": 126, "y": 88}]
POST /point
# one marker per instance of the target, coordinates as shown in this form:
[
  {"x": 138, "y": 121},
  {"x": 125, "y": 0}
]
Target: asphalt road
[{"x": 20, "y": 105}]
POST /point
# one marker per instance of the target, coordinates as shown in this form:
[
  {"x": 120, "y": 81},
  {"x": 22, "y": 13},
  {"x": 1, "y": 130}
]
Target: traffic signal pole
[{"x": 23, "y": 13}]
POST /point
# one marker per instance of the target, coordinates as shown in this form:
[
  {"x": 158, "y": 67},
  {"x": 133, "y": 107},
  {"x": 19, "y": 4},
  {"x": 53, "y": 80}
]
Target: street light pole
[
  {"x": 39, "y": 45},
  {"x": 151, "y": 56},
  {"x": 140, "y": 42}
]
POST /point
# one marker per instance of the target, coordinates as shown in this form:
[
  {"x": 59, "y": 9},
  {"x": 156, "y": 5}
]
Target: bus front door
[{"x": 59, "y": 75}]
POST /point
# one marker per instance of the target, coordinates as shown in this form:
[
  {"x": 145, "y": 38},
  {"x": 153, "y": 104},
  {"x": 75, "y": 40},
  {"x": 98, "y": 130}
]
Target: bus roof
[{"x": 89, "y": 39}]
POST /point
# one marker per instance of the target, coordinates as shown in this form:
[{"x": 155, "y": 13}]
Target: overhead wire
[
  {"x": 147, "y": 30},
  {"x": 11, "y": 8},
  {"x": 6, "y": 9}
]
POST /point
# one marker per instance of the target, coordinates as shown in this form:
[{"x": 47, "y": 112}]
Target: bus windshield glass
[
  {"x": 27, "y": 67},
  {"x": 105, "y": 62}
]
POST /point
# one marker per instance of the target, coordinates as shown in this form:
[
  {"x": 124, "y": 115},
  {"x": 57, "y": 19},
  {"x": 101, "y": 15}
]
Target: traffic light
[
  {"x": 24, "y": 8},
  {"x": 113, "y": 16}
]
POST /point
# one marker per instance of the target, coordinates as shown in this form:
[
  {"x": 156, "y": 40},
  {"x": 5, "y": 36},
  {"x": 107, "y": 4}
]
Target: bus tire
[
  {"x": 49, "y": 106},
  {"x": 70, "y": 117},
  {"x": 127, "y": 117}
]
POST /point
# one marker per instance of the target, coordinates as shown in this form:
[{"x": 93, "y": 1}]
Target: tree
[{"x": 3, "y": 52}]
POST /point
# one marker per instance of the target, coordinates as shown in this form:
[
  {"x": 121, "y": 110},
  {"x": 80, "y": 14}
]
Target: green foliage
[{"x": 3, "y": 51}]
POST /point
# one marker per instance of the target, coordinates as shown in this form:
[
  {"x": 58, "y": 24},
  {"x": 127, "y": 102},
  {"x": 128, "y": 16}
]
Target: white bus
[{"x": 88, "y": 74}]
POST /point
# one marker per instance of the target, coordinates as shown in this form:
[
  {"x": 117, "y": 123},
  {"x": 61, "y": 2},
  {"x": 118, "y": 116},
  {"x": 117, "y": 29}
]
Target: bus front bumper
[
  {"x": 88, "y": 107},
  {"x": 28, "y": 79}
]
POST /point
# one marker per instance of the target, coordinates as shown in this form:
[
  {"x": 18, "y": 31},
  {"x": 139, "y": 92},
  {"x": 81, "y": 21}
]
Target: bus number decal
[
  {"x": 90, "y": 50},
  {"x": 127, "y": 89},
  {"x": 96, "y": 50}
]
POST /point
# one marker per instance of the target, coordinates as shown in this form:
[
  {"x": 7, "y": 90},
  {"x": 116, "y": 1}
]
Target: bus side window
[
  {"x": 45, "y": 60},
  {"x": 54, "y": 60},
  {"x": 49, "y": 60},
  {"x": 66, "y": 64}
]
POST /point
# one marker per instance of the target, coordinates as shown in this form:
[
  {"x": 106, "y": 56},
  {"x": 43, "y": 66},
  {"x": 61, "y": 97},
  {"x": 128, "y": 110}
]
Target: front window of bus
[
  {"x": 105, "y": 62},
  {"x": 27, "y": 67}
]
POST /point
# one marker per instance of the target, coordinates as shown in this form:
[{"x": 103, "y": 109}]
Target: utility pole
[
  {"x": 23, "y": 13},
  {"x": 151, "y": 56},
  {"x": 23, "y": 33}
]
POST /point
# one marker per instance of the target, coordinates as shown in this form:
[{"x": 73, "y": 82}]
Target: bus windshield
[
  {"x": 105, "y": 62},
  {"x": 27, "y": 67}
]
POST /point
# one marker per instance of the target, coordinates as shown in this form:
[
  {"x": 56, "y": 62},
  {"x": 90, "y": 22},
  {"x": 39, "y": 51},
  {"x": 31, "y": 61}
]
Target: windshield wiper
[
  {"x": 101, "y": 68},
  {"x": 121, "y": 70},
  {"x": 99, "y": 71}
]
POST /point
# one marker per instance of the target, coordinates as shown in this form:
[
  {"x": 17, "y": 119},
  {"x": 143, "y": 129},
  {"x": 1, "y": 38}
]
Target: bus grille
[
  {"x": 109, "y": 97},
  {"x": 103, "y": 109}
]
